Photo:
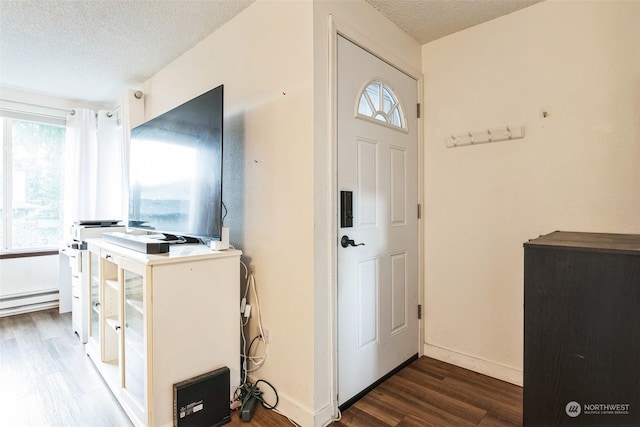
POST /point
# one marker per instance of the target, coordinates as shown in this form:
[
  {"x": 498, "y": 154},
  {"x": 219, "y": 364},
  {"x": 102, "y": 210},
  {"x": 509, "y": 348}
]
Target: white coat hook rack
[{"x": 505, "y": 133}]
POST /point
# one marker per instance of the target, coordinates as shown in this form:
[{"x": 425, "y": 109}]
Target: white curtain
[
  {"x": 93, "y": 184},
  {"x": 109, "y": 182},
  {"x": 81, "y": 166},
  {"x": 96, "y": 184}
]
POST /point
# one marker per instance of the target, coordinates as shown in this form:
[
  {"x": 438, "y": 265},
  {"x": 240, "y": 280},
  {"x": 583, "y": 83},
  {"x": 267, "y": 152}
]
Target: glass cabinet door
[
  {"x": 134, "y": 349},
  {"x": 109, "y": 309},
  {"x": 94, "y": 290}
]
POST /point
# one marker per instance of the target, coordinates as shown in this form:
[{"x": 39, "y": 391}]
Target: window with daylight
[
  {"x": 379, "y": 102},
  {"x": 32, "y": 183}
]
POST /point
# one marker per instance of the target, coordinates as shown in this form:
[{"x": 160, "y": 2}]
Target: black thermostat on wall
[{"x": 202, "y": 401}]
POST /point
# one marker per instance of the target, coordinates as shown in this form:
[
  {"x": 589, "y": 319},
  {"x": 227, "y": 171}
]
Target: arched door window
[{"x": 379, "y": 103}]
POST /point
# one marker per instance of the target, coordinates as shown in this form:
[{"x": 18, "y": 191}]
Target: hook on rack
[{"x": 505, "y": 133}]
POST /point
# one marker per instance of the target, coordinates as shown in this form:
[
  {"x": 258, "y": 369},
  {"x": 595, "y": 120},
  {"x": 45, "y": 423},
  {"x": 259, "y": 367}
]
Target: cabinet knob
[{"x": 117, "y": 327}]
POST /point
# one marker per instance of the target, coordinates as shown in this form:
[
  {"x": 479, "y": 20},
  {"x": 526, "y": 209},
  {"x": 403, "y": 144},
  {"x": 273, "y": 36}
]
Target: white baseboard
[
  {"x": 485, "y": 367},
  {"x": 287, "y": 407},
  {"x": 324, "y": 415},
  {"x": 292, "y": 409}
]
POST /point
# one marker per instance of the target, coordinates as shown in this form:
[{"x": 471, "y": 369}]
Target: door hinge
[
  {"x": 419, "y": 211},
  {"x": 418, "y": 113},
  {"x": 419, "y": 311}
]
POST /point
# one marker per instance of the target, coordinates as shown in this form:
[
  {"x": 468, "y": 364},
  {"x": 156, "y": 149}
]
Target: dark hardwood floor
[
  {"x": 47, "y": 380},
  {"x": 433, "y": 393}
]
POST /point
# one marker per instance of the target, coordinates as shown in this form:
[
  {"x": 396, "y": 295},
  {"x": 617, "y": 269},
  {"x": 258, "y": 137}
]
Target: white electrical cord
[
  {"x": 258, "y": 361},
  {"x": 246, "y": 270},
  {"x": 247, "y": 359},
  {"x": 283, "y": 415},
  {"x": 333, "y": 420}
]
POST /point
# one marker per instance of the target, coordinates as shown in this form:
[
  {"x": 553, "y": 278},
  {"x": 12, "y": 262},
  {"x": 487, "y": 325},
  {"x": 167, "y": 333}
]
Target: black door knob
[{"x": 346, "y": 241}]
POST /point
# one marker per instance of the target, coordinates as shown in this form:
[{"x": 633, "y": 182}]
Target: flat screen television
[{"x": 175, "y": 171}]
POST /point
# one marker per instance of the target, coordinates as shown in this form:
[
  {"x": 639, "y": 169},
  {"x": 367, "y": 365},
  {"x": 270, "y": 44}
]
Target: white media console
[{"x": 157, "y": 320}]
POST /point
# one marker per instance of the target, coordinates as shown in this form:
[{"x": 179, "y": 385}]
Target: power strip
[{"x": 246, "y": 411}]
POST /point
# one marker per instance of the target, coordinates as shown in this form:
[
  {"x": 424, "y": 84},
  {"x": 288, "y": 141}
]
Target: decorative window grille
[{"x": 379, "y": 102}]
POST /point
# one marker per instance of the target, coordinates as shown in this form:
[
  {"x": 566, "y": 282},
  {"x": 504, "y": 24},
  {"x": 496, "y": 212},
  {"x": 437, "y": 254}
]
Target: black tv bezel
[{"x": 179, "y": 235}]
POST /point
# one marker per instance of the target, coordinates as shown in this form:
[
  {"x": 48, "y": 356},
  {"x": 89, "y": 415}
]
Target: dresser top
[
  {"x": 591, "y": 242},
  {"x": 177, "y": 253}
]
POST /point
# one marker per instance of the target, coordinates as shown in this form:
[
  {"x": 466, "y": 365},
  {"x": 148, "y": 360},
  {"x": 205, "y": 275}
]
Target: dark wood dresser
[{"x": 582, "y": 330}]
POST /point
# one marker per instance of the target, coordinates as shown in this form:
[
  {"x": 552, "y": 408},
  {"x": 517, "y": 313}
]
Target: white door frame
[{"x": 337, "y": 27}]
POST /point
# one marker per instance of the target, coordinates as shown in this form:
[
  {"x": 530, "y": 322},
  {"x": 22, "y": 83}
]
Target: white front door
[{"x": 378, "y": 172}]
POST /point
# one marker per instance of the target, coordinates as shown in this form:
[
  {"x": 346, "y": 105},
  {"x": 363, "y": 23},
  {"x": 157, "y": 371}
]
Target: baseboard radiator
[{"x": 28, "y": 302}]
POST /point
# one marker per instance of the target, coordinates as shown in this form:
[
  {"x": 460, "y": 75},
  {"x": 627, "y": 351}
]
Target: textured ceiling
[
  {"x": 91, "y": 50},
  {"x": 428, "y": 20}
]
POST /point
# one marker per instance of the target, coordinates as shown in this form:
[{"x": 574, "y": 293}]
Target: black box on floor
[{"x": 202, "y": 401}]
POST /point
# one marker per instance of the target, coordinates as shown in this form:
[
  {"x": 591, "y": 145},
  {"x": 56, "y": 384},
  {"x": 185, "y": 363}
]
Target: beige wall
[
  {"x": 578, "y": 169},
  {"x": 286, "y": 166},
  {"x": 263, "y": 57}
]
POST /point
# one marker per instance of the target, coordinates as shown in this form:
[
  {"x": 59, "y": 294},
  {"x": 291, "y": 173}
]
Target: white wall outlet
[{"x": 267, "y": 335}]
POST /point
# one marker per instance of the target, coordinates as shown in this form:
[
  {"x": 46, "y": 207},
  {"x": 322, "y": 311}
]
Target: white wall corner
[
  {"x": 324, "y": 415},
  {"x": 485, "y": 367}
]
